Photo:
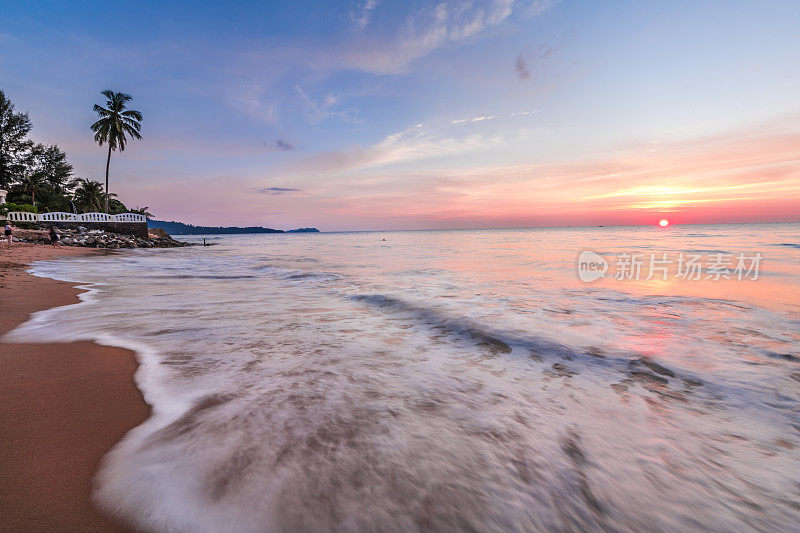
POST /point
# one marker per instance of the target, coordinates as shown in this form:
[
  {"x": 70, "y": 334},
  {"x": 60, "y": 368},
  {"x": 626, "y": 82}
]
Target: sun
[{"x": 663, "y": 222}]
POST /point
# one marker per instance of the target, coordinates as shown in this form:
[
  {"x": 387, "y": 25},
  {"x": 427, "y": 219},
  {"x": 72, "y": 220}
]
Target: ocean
[{"x": 453, "y": 380}]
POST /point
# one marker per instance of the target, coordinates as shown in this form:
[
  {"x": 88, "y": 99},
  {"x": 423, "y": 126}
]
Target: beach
[
  {"x": 441, "y": 266},
  {"x": 62, "y": 406},
  {"x": 401, "y": 381},
  {"x": 447, "y": 380}
]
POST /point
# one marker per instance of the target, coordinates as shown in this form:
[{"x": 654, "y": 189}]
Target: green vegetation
[
  {"x": 15, "y": 146},
  {"x": 8, "y": 207},
  {"x": 89, "y": 193},
  {"x": 145, "y": 211},
  {"x": 39, "y": 178},
  {"x": 179, "y": 228},
  {"x": 113, "y": 124}
]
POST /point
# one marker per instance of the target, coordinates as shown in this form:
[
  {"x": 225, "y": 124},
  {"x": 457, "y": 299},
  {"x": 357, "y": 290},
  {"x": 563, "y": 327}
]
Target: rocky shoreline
[{"x": 84, "y": 237}]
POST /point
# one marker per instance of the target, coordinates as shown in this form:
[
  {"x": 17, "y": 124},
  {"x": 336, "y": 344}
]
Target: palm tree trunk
[
  {"x": 108, "y": 162},
  {"x": 33, "y": 200}
]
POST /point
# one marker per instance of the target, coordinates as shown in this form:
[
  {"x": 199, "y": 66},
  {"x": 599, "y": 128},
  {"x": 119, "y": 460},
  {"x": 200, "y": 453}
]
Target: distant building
[{"x": 3, "y": 196}]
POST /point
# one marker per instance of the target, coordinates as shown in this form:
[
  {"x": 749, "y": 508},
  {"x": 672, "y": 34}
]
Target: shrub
[{"x": 8, "y": 207}]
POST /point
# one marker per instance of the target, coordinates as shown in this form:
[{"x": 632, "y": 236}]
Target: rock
[{"x": 80, "y": 236}]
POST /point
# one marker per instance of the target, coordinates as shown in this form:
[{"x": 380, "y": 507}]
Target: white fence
[{"x": 19, "y": 216}]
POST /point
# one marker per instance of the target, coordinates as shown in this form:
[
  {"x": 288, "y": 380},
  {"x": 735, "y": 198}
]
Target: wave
[
  {"x": 317, "y": 276},
  {"x": 201, "y": 276},
  {"x": 491, "y": 340},
  {"x": 356, "y": 398},
  {"x": 621, "y": 370}
]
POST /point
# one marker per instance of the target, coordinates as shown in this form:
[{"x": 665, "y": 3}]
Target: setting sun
[{"x": 663, "y": 222}]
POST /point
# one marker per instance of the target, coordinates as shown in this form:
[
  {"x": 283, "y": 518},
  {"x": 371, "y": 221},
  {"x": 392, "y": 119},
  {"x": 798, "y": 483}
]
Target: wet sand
[{"x": 62, "y": 406}]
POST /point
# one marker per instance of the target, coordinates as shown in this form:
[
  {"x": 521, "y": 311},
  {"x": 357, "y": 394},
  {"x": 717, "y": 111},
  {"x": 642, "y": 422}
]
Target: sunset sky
[{"x": 373, "y": 114}]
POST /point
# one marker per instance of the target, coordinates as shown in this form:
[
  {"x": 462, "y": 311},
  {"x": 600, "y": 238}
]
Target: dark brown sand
[{"x": 62, "y": 407}]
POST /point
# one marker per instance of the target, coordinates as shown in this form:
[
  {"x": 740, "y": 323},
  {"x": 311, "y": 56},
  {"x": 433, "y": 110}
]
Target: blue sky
[{"x": 390, "y": 115}]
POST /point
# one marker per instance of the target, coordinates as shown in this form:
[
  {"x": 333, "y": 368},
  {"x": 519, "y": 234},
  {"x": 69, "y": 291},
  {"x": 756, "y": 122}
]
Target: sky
[{"x": 377, "y": 114}]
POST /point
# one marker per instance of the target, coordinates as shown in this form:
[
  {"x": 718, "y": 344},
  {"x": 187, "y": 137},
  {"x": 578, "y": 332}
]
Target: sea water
[{"x": 452, "y": 380}]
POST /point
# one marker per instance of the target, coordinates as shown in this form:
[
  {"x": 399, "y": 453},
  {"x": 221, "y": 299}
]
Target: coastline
[{"x": 63, "y": 406}]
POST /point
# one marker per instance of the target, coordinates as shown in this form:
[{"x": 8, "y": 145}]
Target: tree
[
  {"x": 143, "y": 211},
  {"x": 51, "y": 163},
  {"x": 114, "y": 123},
  {"x": 32, "y": 183},
  {"x": 116, "y": 207},
  {"x": 14, "y": 142},
  {"x": 88, "y": 194}
]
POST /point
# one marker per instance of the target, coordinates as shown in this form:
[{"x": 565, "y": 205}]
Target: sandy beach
[{"x": 62, "y": 406}]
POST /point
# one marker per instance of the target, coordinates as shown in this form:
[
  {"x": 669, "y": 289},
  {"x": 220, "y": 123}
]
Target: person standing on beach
[
  {"x": 54, "y": 237},
  {"x": 9, "y": 233}
]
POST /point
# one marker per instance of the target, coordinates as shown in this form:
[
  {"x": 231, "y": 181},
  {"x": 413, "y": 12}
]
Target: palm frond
[
  {"x": 132, "y": 113},
  {"x": 132, "y": 129}
]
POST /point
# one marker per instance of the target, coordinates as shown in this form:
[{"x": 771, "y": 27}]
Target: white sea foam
[{"x": 444, "y": 380}]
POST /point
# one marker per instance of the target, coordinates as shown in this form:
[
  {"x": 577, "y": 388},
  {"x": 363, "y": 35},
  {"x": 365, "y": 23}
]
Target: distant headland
[{"x": 179, "y": 228}]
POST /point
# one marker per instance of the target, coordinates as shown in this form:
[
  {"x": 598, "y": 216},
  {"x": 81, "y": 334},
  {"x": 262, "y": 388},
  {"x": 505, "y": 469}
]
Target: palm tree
[
  {"x": 89, "y": 194},
  {"x": 30, "y": 183},
  {"x": 113, "y": 124},
  {"x": 142, "y": 211}
]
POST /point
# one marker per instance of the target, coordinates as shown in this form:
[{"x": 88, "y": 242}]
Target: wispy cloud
[
  {"x": 427, "y": 29},
  {"x": 521, "y": 68},
  {"x": 279, "y": 146},
  {"x": 750, "y": 174},
  {"x": 537, "y": 7},
  {"x": 326, "y": 108},
  {"x": 255, "y": 79},
  {"x": 475, "y": 119},
  {"x": 284, "y": 146},
  {"x": 490, "y": 117},
  {"x": 277, "y": 190},
  {"x": 698, "y": 179},
  {"x": 396, "y": 150},
  {"x": 361, "y": 16},
  {"x": 534, "y": 62}
]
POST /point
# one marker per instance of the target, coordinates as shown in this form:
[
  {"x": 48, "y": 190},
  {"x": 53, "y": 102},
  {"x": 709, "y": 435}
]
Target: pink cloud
[{"x": 747, "y": 175}]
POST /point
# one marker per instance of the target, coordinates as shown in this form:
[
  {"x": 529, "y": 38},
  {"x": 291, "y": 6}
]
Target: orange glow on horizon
[{"x": 751, "y": 174}]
